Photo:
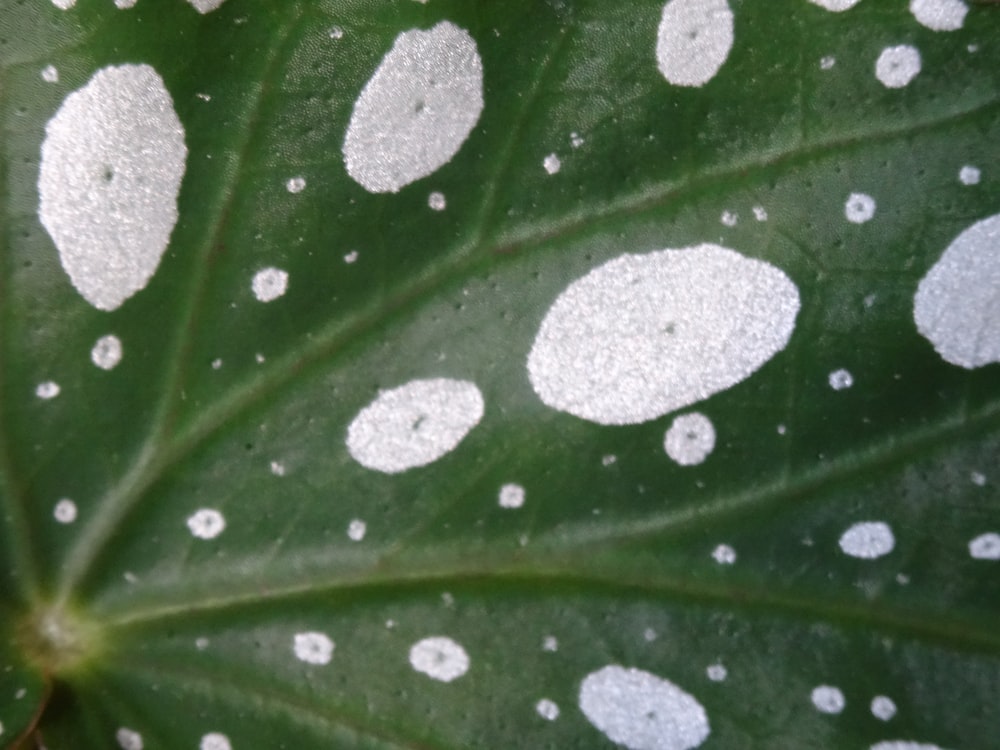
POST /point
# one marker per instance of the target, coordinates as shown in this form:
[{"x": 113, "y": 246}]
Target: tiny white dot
[
  {"x": 313, "y": 648},
  {"x": 269, "y": 284},
  {"x": 985, "y": 547},
  {"x": 547, "y": 709},
  {"x": 760, "y": 213},
  {"x": 717, "y": 672},
  {"x": 883, "y": 707},
  {"x": 551, "y": 163},
  {"x": 437, "y": 201},
  {"x": 65, "y": 511},
  {"x": 296, "y": 184},
  {"x": 440, "y": 658},
  {"x": 128, "y": 739},
  {"x": 969, "y": 175},
  {"x": 48, "y": 389},
  {"x": 206, "y": 523},
  {"x": 50, "y": 74},
  {"x": 724, "y": 554},
  {"x": 729, "y": 218},
  {"x": 840, "y": 379},
  {"x": 550, "y": 644},
  {"x": 215, "y": 741},
  {"x": 859, "y": 208},
  {"x": 828, "y": 699},
  {"x": 351, "y": 256},
  {"x": 511, "y": 496},
  {"x": 356, "y": 530},
  {"x": 827, "y": 62},
  {"x": 107, "y": 352}
]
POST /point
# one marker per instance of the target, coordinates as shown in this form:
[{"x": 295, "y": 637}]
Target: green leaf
[{"x": 758, "y": 586}]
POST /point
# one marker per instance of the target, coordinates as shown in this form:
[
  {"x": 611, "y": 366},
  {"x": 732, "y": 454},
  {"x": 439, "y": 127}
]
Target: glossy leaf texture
[{"x": 136, "y": 622}]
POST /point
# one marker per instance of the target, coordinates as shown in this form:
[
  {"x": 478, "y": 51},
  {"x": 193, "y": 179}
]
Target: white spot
[
  {"x": 939, "y": 15},
  {"x": 859, "y": 208},
  {"x": 835, "y": 5},
  {"x": 414, "y": 424},
  {"x": 313, "y": 648},
  {"x": 207, "y": 6},
  {"x": 985, "y": 547},
  {"x": 547, "y": 709},
  {"x": 978, "y": 479},
  {"x": 128, "y": 739},
  {"x": 724, "y": 554},
  {"x": 827, "y": 62},
  {"x": 729, "y": 218},
  {"x": 649, "y": 635},
  {"x": 550, "y": 644},
  {"x": 897, "y": 66},
  {"x": 902, "y": 579},
  {"x": 693, "y": 40},
  {"x": 969, "y": 175},
  {"x": 122, "y": 4},
  {"x": 782, "y": 429},
  {"x": 64, "y": 4},
  {"x": 883, "y": 707},
  {"x": 111, "y": 168},
  {"x": 437, "y": 201},
  {"x": 335, "y": 32},
  {"x": 216, "y": 364},
  {"x": 201, "y": 643},
  {"x": 868, "y": 540},
  {"x": 269, "y": 284},
  {"x": 278, "y": 468},
  {"x": 204, "y": 97},
  {"x": 130, "y": 577},
  {"x": 351, "y": 256},
  {"x": 551, "y": 163},
  {"x": 511, "y": 496},
  {"x": 107, "y": 352},
  {"x": 213, "y": 740},
  {"x": 643, "y": 335},
  {"x": 356, "y": 530},
  {"x": 956, "y": 306},
  {"x": 50, "y": 74},
  {"x": 690, "y": 439},
  {"x": 904, "y": 745},
  {"x": 259, "y": 358},
  {"x": 48, "y": 389},
  {"x": 295, "y": 185},
  {"x": 840, "y": 379},
  {"x": 440, "y": 658},
  {"x": 642, "y": 711},
  {"x": 828, "y": 699},
  {"x": 760, "y": 213},
  {"x": 417, "y": 109},
  {"x": 609, "y": 459},
  {"x": 717, "y": 672},
  {"x": 65, "y": 511},
  {"x": 575, "y": 140},
  {"x": 206, "y": 523}
]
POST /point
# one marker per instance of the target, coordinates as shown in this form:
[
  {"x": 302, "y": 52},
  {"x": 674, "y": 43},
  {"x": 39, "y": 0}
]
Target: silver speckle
[
  {"x": 985, "y": 547},
  {"x": 978, "y": 478},
  {"x": 828, "y": 699},
  {"x": 47, "y": 390},
  {"x": 123, "y": 4},
  {"x": 269, "y": 283},
  {"x": 904, "y": 745},
  {"x": 547, "y": 709},
  {"x": 883, "y": 707},
  {"x": 859, "y": 208},
  {"x": 897, "y": 66},
  {"x": 760, "y": 213},
  {"x": 440, "y": 658},
  {"x": 278, "y": 468},
  {"x": 107, "y": 352},
  {"x": 939, "y": 15},
  {"x": 576, "y": 140},
  {"x": 840, "y": 379},
  {"x": 693, "y": 40},
  {"x": 868, "y": 540},
  {"x": 64, "y": 4},
  {"x": 550, "y": 644},
  {"x": 690, "y": 439},
  {"x": 335, "y": 32}
]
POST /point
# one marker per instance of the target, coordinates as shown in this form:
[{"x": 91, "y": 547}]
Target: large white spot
[
  {"x": 107, "y": 352},
  {"x": 206, "y": 6},
  {"x": 414, "y": 424},
  {"x": 269, "y": 283},
  {"x": 642, "y": 711},
  {"x": 128, "y": 739},
  {"x": 985, "y": 547},
  {"x": 440, "y": 658},
  {"x": 643, "y": 335},
  {"x": 693, "y": 40},
  {"x": 897, "y": 66},
  {"x": 867, "y": 540},
  {"x": 215, "y": 741},
  {"x": 939, "y": 15},
  {"x": 835, "y": 5},
  {"x": 313, "y": 648},
  {"x": 690, "y": 439},
  {"x": 417, "y": 109},
  {"x": 904, "y": 745},
  {"x": 206, "y": 523},
  {"x": 111, "y": 168},
  {"x": 957, "y": 304},
  {"x": 828, "y": 699},
  {"x": 883, "y": 707}
]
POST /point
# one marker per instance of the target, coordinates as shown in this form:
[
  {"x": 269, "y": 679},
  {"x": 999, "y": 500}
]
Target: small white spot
[
  {"x": 985, "y": 547},
  {"x": 356, "y": 530},
  {"x": 729, "y": 218},
  {"x": 204, "y": 97},
  {"x": 690, "y": 439},
  {"x": 904, "y": 745},
  {"x": 64, "y": 4},
  {"x": 835, "y": 5},
  {"x": 295, "y": 185},
  {"x": 859, "y": 208},
  {"x": 122, "y": 4},
  {"x": 550, "y": 644},
  {"x": 693, "y": 40},
  {"x": 259, "y": 358},
  {"x": 717, "y": 672},
  {"x": 575, "y": 140},
  {"x": 48, "y": 389},
  {"x": 724, "y": 554},
  {"x": 214, "y": 740},
  {"x": 351, "y": 256},
  {"x": 65, "y": 511},
  {"x": 107, "y": 352},
  {"x": 642, "y": 711},
  {"x": 649, "y": 635},
  {"x": 978, "y": 479},
  {"x": 207, "y": 6},
  {"x": 128, "y": 739},
  {"x": 760, "y": 213},
  {"x": 50, "y": 74},
  {"x": 551, "y": 163},
  {"x": 216, "y": 364},
  {"x": 897, "y": 66},
  {"x": 868, "y": 540},
  {"x": 278, "y": 468},
  {"x": 130, "y": 577},
  {"x": 608, "y": 459},
  {"x": 840, "y": 379},
  {"x": 782, "y": 429},
  {"x": 547, "y": 709},
  {"x": 206, "y": 523},
  {"x": 939, "y": 15},
  {"x": 827, "y": 62},
  {"x": 437, "y": 201},
  {"x": 269, "y": 284},
  {"x": 511, "y": 496},
  {"x": 969, "y": 175},
  {"x": 335, "y": 32},
  {"x": 883, "y": 707},
  {"x": 201, "y": 643},
  {"x": 21, "y": 692},
  {"x": 447, "y": 599},
  {"x": 902, "y": 579},
  {"x": 440, "y": 658},
  {"x": 313, "y": 648},
  {"x": 828, "y": 699}
]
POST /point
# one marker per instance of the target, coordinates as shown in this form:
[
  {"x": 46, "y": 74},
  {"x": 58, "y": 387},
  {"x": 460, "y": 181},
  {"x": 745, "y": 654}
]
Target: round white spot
[
  {"x": 724, "y": 554},
  {"x": 956, "y": 305},
  {"x": 883, "y": 707},
  {"x": 840, "y": 379},
  {"x": 440, "y": 658},
  {"x": 313, "y": 648},
  {"x": 868, "y": 540},
  {"x": 335, "y": 32},
  {"x": 827, "y": 62},
  {"x": 356, "y": 530},
  {"x": 111, "y": 168},
  {"x": 828, "y": 699},
  {"x": 65, "y": 511},
  {"x": 643, "y": 335},
  {"x": 717, "y": 672},
  {"x": 50, "y": 74},
  {"x": 48, "y": 389},
  {"x": 985, "y": 547},
  {"x": 859, "y": 208},
  {"x": 437, "y": 201},
  {"x": 107, "y": 352},
  {"x": 206, "y": 523},
  {"x": 897, "y": 66},
  {"x": 511, "y": 496},
  {"x": 216, "y": 364},
  {"x": 550, "y": 644},
  {"x": 351, "y": 257},
  {"x": 642, "y": 711},
  {"x": 939, "y": 15},
  {"x": 295, "y": 185},
  {"x": 128, "y": 739},
  {"x": 417, "y": 109},
  {"x": 269, "y": 284},
  {"x": 214, "y": 740},
  {"x": 969, "y": 175},
  {"x": 207, "y": 6},
  {"x": 690, "y": 439},
  {"x": 551, "y": 164},
  {"x": 693, "y": 40},
  {"x": 835, "y": 5},
  {"x": 414, "y": 424},
  {"x": 904, "y": 745},
  {"x": 547, "y": 709}
]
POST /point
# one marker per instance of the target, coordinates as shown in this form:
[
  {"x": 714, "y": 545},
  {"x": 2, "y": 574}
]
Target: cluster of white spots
[
  {"x": 65, "y": 511},
  {"x": 955, "y": 307},
  {"x": 214, "y": 740},
  {"x": 511, "y": 496},
  {"x": 969, "y": 175},
  {"x": 551, "y": 164},
  {"x": 547, "y": 709},
  {"x": 897, "y": 66},
  {"x": 295, "y": 185},
  {"x": 642, "y": 711},
  {"x": 690, "y": 439},
  {"x": 716, "y": 672},
  {"x": 576, "y": 140},
  {"x": 760, "y": 213},
  {"x": 883, "y": 707},
  {"x": 867, "y": 540},
  {"x": 206, "y": 523},
  {"x": 335, "y": 32},
  {"x": 107, "y": 352},
  {"x": 724, "y": 554},
  {"x": 269, "y": 284},
  {"x": 48, "y": 389},
  {"x": 693, "y": 40},
  {"x": 859, "y": 208},
  {"x": 840, "y": 379},
  {"x": 985, "y": 547},
  {"x": 207, "y": 6},
  {"x": 414, "y": 424},
  {"x": 835, "y": 5},
  {"x": 437, "y": 201},
  {"x": 939, "y": 15},
  {"x": 550, "y": 644},
  {"x": 356, "y": 530},
  {"x": 827, "y": 61},
  {"x": 128, "y": 739},
  {"x": 609, "y": 459},
  {"x": 417, "y": 109},
  {"x": 351, "y": 257},
  {"x": 313, "y": 648},
  {"x": 904, "y": 745},
  {"x": 278, "y": 468},
  {"x": 440, "y": 658},
  {"x": 111, "y": 168},
  {"x": 50, "y": 74},
  {"x": 729, "y": 218},
  {"x": 643, "y": 335},
  {"x": 828, "y": 699}
]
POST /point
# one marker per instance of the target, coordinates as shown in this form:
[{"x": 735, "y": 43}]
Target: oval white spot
[
  {"x": 214, "y": 740},
  {"x": 690, "y": 439},
  {"x": 356, "y": 530},
  {"x": 985, "y": 547},
  {"x": 295, "y": 185},
  {"x": 123, "y": 4},
  {"x": 642, "y": 711},
  {"x": 111, "y": 168},
  {"x": 840, "y": 379},
  {"x": 50, "y": 74},
  {"x": 269, "y": 284},
  {"x": 313, "y": 648},
  {"x": 65, "y": 511},
  {"x": 724, "y": 554},
  {"x": 440, "y": 658},
  {"x": 717, "y": 672},
  {"x": 897, "y": 66},
  {"x": 206, "y": 6},
  {"x": 978, "y": 478},
  {"x": 836, "y": 6},
  {"x": 47, "y": 390},
  {"x": 551, "y": 164},
  {"x": 414, "y": 424},
  {"x": 351, "y": 257},
  {"x": 904, "y": 745},
  {"x": 335, "y": 32},
  {"x": 437, "y": 201},
  {"x": 547, "y": 709},
  {"x": 939, "y": 15},
  {"x": 128, "y": 739},
  {"x": 511, "y": 496},
  {"x": 883, "y": 707},
  {"x": 417, "y": 109},
  {"x": 693, "y": 40},
  {"x": 868, "y": 540},
  {"x": 107, "y": 352},
  {"x": 64, "y": 4},
  {"x": 826, "y": 62},
  {"x": 828, "y": 699},
  {"x": 969, "y": 175},
  {"x": 278, "y": 468},
  {"x": 206, "y": 523},
  {"x": 859, "y": 208},
  {"x": 643, "y": 335},
  {"x": 550, "y": 643},
  {"x": 956, "y": 307}
]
